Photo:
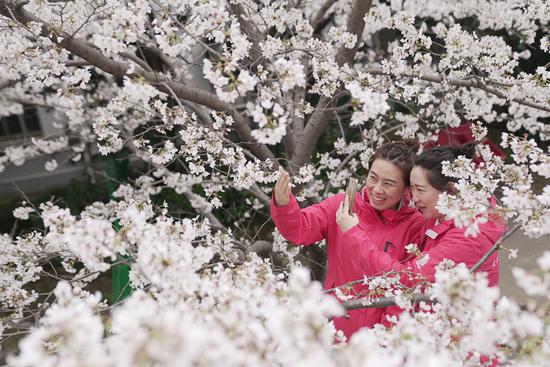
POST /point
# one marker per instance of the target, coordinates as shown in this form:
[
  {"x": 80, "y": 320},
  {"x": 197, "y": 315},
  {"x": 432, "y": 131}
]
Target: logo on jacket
[{"x": 388, "y": 244}]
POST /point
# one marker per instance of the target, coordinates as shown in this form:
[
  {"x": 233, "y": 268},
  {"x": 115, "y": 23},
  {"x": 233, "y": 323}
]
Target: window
[{"x": 20, "y": 126}]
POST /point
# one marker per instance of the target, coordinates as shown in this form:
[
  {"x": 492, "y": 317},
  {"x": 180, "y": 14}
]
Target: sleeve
[
  {"x": 304, "y": 226},
  {"x": 453, "y": 246}
]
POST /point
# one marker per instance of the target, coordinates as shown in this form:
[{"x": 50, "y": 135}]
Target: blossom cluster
[{"x": 211, "y": 98}]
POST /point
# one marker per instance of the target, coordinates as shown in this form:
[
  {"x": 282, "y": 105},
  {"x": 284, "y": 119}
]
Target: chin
[
  {"x": 425, "y": 214},
  {"x": 382, "y": 206}
]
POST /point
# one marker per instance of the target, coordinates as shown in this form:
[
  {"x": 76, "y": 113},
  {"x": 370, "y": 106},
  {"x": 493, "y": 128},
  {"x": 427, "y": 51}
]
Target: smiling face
[
  {"x": 425, "y": 196},
  {"x": 385, "y": 185}
]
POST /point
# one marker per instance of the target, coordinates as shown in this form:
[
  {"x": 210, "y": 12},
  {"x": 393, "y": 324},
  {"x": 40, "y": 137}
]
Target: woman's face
[
  {"x": 385, "y": 185},
  {"x": 425, "y": 196}
]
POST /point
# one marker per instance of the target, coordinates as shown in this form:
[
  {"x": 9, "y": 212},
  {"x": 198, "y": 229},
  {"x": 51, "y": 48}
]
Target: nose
[
  {"x": 415, "y": 196},
  {"x": 377, "y": 188}
]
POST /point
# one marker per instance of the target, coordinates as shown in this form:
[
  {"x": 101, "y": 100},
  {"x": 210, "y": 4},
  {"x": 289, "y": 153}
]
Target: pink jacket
[
  {"x": 444, "y": 241},
  {"x": 388, "y": 231}
]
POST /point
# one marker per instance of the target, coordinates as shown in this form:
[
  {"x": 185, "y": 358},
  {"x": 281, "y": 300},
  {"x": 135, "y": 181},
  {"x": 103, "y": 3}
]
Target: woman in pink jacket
[
  {"x": 383, "y": 215},
  {"x": 442, "y": 240}
]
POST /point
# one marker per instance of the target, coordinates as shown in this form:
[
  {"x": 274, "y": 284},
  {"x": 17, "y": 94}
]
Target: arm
[
  {"x": 453, "y": 246},
  {"x": 303, "y": 226},
  {"x": 300, "y": 226}
]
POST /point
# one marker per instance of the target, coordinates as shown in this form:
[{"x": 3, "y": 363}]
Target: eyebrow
[{"x": 386, "y": 180}]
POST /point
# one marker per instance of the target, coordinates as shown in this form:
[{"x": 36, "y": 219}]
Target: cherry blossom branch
[
  {"x": 312, "y": 132},
  {"x": 248, "y": 28},
  {"x": 119, "y": 69},
  {"x": 386, "y": 274},
  {"x": 494, "y": 248},
  {"x": 9, "y": 83},
  {"x": 206, "y": 120},
  {"x": 356, "y": 25},
  {"x": 137, "y": 60},
  {"x": 318, "y": 17},
  {"x": 356, "y": 304},
  {"x": 463, "y": 83},
  {"x": 191, "y": 196},
  {"x": 77, "y": 63},
  {"x": 321, "y": 117}
]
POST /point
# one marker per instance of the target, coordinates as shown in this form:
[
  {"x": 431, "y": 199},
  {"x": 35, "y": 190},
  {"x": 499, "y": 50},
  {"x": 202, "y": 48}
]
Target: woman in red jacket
[
  {"x": 383, "y": 215},
  {"x": 442, "y": 240}
]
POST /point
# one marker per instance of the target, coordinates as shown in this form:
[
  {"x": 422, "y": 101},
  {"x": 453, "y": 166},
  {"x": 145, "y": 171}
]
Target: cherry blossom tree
[{"x": 213, "y": 97}]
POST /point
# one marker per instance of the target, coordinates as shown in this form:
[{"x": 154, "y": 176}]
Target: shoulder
[
  {"x": 417, "y": 218},
  {"x": 456, "y": 240},
  {"x": 412, "y": 217}
]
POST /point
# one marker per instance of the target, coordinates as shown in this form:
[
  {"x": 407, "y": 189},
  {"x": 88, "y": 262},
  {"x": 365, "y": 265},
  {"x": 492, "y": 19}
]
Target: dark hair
[
  {"x": 400, "y": 153},
  {"x": 431, "y": 161}
]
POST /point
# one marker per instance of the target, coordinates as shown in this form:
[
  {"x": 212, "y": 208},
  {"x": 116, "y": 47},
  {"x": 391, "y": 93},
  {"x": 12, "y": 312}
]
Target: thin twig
[
  {"x": 495, "y": 247},
  {"x": 384, "y": 302}
]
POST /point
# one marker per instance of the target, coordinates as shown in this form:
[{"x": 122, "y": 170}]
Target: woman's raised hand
[
  {"x": 344, "y": 219},
  {"x": 282, "y": 189}
]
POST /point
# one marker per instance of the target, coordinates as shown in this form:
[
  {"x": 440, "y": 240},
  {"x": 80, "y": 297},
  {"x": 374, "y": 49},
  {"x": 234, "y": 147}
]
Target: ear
[
  {"x": 407, "y": 192},
  {"x": 450, "y": 188}
]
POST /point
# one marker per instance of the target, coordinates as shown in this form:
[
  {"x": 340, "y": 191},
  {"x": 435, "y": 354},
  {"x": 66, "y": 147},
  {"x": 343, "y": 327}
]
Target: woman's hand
[
  {"x": 343, "y": 218},
  {"x": 282, "y": 189}
]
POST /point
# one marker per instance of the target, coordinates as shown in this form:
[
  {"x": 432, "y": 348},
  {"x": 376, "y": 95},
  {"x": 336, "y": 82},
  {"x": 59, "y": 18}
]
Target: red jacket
[
  {"x": 389, "y": 231},
  {"x": 444, "y": 241}
]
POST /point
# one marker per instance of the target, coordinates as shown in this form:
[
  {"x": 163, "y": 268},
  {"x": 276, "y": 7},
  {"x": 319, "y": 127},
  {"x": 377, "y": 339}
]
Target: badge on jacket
[{"x": 432, "y": 234}]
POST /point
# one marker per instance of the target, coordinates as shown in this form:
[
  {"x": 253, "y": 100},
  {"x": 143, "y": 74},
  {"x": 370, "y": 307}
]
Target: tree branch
[
  {"x": 320, "y": 119},
  {"x": 137, "y": 60},
  {"x": 463, "y": 83},
  {"x": 249, "y": 30},
  {"x": 259, "y": 247},
  {"x": 206, "y": 120},
  {"x": 495, "y": 247},
  {"x": 356, "y": 25},
  {"x": 356, "y": 304},
  {"x": 9, "y": 83},
  {"x": 77, "y": 63},
  {"x": 316, "y": 20},
  {"x": 119, "y": 69},
  {"x": 312, "y": 132},
  {"x": 191, "y": 196}
]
